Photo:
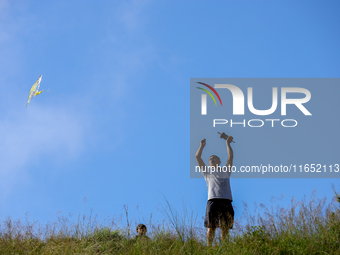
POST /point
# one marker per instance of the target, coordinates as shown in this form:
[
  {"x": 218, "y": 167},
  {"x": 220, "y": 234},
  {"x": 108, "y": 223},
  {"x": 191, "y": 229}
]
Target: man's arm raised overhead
[
  {"x": 230, "y": 153},
  {"x": 199, "y": 154}
]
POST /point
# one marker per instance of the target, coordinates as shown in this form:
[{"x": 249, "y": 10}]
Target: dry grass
[{"x": 306, "y": 227}]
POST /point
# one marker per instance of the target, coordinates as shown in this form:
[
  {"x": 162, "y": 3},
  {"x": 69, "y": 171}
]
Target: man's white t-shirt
[{"x": 218, "y": 184}]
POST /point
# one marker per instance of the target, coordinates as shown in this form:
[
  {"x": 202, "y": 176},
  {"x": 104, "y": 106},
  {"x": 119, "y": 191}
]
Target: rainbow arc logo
[{"x": 204, "y": 97}]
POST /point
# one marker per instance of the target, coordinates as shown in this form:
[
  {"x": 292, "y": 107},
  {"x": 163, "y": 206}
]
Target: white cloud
[
  {"x": 131, "y": 12},
  {"x": 4, "y": 4},
  {"x": 43, "y": 132},
  {"x": 39, "y": 132},
  {"x": 33, "y": 134},
  {"x": 129, "y": 49}
]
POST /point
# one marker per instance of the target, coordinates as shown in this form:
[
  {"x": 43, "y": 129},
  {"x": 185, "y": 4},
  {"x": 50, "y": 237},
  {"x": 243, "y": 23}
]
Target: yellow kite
[{"x": 34, "y": 90}]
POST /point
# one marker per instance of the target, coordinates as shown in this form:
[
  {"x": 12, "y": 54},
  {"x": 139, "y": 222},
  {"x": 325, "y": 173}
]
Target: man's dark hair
[{"x": 140, "y": 226}]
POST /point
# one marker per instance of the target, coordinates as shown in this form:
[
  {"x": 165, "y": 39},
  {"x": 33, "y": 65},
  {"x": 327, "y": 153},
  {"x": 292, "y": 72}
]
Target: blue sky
[{"x": 116, "y": 129}]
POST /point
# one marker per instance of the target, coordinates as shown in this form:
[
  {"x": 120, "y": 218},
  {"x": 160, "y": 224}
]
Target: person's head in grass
[{"x": 141, "y": 229}]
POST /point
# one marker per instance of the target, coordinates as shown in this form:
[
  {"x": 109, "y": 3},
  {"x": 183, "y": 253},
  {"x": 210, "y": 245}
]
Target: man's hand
[
  {"x": 229, "y": 139},
  {"x": 203, "y": 142}
]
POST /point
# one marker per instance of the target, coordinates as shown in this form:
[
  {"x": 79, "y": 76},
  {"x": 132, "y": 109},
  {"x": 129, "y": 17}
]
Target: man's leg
[
  {"x": 210, "y": 235},
  {"x": 225, "y": 234},
  {"x": 210, "y": 221},
  {"x": 227, "y": 219}
]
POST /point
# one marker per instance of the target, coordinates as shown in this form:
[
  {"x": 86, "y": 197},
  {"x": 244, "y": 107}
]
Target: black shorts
[{"x": 219, "y": 213}]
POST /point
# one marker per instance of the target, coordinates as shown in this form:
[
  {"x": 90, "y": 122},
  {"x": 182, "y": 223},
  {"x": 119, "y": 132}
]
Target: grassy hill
[{"x": 304, "y": 228}]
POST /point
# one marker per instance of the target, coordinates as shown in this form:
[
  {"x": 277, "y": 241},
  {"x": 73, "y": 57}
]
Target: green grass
[{"x": 306, "y": 227}]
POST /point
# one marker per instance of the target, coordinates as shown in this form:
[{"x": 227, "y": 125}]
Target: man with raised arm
[{"x": 219, "y": 211}]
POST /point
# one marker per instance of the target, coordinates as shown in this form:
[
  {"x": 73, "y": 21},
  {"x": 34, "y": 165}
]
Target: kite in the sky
[{"x": 34, "y": 90}]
